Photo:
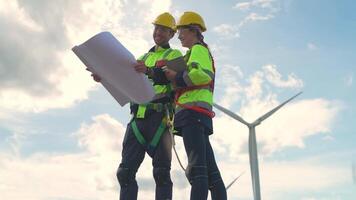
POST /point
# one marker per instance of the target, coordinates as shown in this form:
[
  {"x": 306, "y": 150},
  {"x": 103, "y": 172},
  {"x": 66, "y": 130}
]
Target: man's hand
[
  {"x": 141, "y": 67},
  {"x": 96, "y": 77}
]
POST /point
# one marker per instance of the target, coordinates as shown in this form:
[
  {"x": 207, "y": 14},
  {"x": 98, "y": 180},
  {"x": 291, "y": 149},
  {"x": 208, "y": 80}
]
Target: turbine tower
[{"x": 252, "y": 142}]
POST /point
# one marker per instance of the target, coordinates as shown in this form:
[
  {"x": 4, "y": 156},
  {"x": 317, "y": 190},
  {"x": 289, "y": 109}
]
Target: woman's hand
[
  {"x": 141, "y": 67},
  {"x": 170, "y": 74}
]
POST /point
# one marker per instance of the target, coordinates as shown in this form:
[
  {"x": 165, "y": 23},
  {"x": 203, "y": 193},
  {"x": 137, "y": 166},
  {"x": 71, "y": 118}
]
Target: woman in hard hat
[{"x": 193, "y": 114}]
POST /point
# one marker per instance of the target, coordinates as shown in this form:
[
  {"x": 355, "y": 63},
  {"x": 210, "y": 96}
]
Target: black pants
[
  {"x": 133, "y": 154},
  {"x": 202, "y": 170}
]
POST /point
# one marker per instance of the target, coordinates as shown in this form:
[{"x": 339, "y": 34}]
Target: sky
[{"x": 61, "y": 133}]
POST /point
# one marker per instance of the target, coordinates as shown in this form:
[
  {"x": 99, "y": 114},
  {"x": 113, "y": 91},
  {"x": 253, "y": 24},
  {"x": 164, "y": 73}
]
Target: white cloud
[
  {"x": 226, "y": 80},
  {"x": 328, "y": 138},
  {"x": 86, "y": 175},
  {"x": 255, "y": 3},
  {"x": 101, "y": 135},
  {"x": 289, "y": 127},
  {"x": 312, "y": 46},
  {"x": 226, "y": 30},
  {"x": 51, "y": 76},
  {"x": 349, "y": 80},
  {"x": 89, "y": 174},
  {"x": 234, "y": 85},
  {"x": 281, "y": 178},
  {"x": 257, "y": 17},
  {"x": 274, "y": 77},
  {"x": 254, "y": 17},
  {"x": 231, "y": 31},
  {"x": 243, "y": 5}
]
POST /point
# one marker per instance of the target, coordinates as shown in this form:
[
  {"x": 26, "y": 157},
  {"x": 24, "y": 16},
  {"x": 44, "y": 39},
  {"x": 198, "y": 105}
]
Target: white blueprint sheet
[{"x": 105, "y": 56}]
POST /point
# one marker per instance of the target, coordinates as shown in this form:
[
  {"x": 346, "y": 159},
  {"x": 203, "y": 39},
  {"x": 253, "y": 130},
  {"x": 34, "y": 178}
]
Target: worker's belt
[{"x": 143, "y": 110}]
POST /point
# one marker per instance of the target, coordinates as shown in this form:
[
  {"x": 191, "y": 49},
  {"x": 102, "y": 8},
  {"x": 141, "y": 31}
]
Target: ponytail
[
  {"x": 201, "y": 41},
  {"x": 200, "y": 36}
]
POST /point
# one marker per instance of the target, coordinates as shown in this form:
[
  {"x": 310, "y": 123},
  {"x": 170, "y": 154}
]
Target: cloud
[
  {"x": 232, "y": 83},
  {"x": 328, "y": 138},
  {"x": 103, "y": 131},
  {"x": 255, "y": 3},
  {"x": 230, "y": 31},
  {"x": 254, "y": 17},
  {"x": 226, "y": 30},
  {"x": 275, "y": 78},
  {"x": 38, "y": 71},
  {"x": 349, "y": 80},
  {"x": 259, "y": 10},
  {"x": 312, "y": 46},
  {"x": 289, "y": 127},
  {"x": 227, "y": 80},
  {"x": 282, "y": 178},
  {"x": 257, "y": 17},
  {"x": 88, "y": 174},
  {"x": 243, "y": 5}
]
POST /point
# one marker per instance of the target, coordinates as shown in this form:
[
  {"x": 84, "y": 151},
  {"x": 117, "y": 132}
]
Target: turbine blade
[
  {"x": 231, "y": 114},
  {"x": 254, "y": 164},
  {"x": 232, "y": 182},
  {"x": 265, "y": 116}
]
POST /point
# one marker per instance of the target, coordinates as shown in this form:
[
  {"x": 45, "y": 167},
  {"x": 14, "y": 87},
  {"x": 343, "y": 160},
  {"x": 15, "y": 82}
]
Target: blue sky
[{"x": 61, "y": 133}]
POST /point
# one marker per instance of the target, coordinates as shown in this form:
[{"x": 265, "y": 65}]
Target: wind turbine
[{"x": 252, "y": 142}]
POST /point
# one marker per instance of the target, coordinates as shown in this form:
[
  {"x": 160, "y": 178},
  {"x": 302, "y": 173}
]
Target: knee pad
[
  {"x": 196, "y": 172},
  {"x": 124, "y": 176},
  {"x": 162, "y": 176},
  {"x": 214, "y": 178}
]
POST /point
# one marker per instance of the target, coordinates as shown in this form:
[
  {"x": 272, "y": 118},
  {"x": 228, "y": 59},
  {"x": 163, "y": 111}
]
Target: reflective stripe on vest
[
  {"x": 200, "y": 106},
  {"x": 142, "y": 109}
]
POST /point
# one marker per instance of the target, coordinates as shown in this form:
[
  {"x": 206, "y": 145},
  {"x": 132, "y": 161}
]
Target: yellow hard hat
[
  {"x": 190, "y": 18},
  {"x": 165, "y": 19}
]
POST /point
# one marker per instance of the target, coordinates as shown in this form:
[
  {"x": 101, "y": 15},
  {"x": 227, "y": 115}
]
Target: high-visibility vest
[
  {"x": 150, "y": 59},
  {"x": 199, "y": 78}
]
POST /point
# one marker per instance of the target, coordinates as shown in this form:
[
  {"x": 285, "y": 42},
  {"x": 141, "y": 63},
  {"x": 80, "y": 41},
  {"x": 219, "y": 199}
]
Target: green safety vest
[
  {"x": 150, "y": 60},
  {"x": 200, "y": 72}
]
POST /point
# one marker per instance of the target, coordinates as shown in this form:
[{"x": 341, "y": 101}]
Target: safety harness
[
  {"x": 157, "y": 136},
  {"x": 140, "y": 114}
]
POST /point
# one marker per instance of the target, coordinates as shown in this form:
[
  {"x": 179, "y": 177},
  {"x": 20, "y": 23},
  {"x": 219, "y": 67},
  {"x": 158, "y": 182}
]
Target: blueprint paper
[{"x": 105, "y": 56}]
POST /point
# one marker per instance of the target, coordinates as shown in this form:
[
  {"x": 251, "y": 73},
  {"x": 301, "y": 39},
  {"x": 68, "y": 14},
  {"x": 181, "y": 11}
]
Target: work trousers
[
  {"x": 133, "y": 154},
  {"x": 202, "y": 171}
]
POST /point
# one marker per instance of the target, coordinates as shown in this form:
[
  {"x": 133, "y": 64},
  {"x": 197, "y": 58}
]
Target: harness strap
[
  {"x": 137, "y": 133},
  {"x": 158, "y": 133},
  {"x": 157, "y": 136},
  {"x": 179, "y": 92}
]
